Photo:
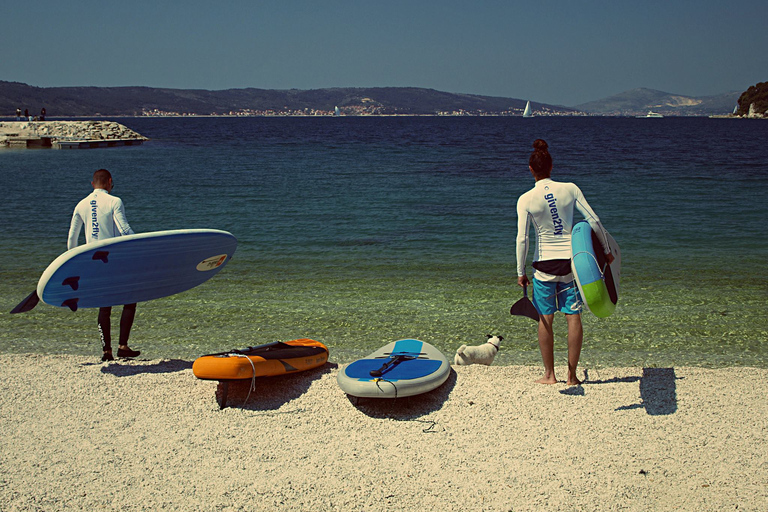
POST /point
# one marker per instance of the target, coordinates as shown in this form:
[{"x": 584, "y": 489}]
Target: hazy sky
[{"x": 560, "y": 52}]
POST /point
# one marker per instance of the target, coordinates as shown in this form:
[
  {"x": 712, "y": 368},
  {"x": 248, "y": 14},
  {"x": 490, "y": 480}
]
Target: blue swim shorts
[{"x": 549, "y": 297}]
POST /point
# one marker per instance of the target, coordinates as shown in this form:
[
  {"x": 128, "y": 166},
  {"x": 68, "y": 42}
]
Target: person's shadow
[
  {"x": 658, "y": 393},
  {"x": 168, "y": 366}
]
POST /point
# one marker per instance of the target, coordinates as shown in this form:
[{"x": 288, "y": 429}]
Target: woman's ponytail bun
[
  {"x": 540, "y": 161},
  {"x": 540, "y": 145}
]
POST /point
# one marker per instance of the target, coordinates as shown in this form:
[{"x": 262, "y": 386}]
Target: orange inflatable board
[{"x": 267, "y": 360}]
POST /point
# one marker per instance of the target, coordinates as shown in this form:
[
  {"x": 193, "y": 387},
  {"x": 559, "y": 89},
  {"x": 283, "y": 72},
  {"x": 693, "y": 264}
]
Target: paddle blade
[
  {"x": 27, "y": 304},
  {"x": 524, "y": 307}
]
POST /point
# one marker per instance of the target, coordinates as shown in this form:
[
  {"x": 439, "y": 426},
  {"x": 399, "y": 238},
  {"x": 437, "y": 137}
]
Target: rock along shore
[{"x": 21, "y": 133}]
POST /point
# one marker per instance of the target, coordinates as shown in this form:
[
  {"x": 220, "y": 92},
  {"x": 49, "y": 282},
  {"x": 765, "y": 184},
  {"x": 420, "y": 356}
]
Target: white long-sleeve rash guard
[
  {"x": 549, "y": 205},
  {"x": 102, "y": 214}
]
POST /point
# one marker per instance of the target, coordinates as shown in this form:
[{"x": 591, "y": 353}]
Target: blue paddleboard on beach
[
  {"x": 401, "y": 368},
  {"x": 135, "y": 268}
]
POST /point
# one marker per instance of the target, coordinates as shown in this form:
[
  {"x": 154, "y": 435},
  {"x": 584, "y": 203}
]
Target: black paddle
[
  {"x": 393, "y": 360},
  {"x": 524, "y": 307},
  {"x": 27, "y": 304}
]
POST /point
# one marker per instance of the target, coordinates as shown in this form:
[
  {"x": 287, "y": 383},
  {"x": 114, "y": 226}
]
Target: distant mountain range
[
  {"x": 137, "y": 101},
  {"x": 641, "y": 101}
]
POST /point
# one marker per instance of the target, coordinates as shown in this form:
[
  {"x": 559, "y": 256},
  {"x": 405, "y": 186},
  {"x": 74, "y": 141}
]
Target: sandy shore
[{"x": 148, "y": 435}]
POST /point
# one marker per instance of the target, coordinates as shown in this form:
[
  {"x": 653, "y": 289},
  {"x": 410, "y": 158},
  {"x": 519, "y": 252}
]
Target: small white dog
[{"x": 481, "y": 354}]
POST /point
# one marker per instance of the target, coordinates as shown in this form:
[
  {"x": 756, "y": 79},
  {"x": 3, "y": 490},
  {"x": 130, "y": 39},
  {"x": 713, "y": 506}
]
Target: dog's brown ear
[
  {"x": 501, "y": 337},
  {"x": 489, "y": 336}
]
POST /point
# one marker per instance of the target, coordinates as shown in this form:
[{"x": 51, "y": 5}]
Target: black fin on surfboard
[
  {"x": 524, "y": 307},
  {"x": 70, "y": 303},
  {"x": 73, "y": 281},
  {"x": 101, "y": 255},
  {"x": 27, "y": 304}
]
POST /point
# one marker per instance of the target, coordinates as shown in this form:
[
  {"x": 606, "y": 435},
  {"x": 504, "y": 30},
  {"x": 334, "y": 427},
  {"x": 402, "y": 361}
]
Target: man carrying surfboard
[
  {"x": 104, "y": 217},
  {"x": 550, "y": 206}
]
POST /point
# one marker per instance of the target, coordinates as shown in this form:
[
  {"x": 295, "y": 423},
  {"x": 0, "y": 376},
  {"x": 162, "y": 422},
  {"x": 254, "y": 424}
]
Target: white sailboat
[
  {"x": 527, "y": 112},
  {"x": 336, "y": 112}
]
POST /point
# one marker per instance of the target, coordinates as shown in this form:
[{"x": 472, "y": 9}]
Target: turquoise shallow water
[{"x": 357, "y": 232}]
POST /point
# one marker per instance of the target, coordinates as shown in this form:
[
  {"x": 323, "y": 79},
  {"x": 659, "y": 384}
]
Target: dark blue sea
[{"x": 360, "y": 231}]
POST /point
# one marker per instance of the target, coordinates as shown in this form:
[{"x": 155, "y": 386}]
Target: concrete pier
[
  {"x": 67, "y": 135},
  {"x": 89, "y": 144}
]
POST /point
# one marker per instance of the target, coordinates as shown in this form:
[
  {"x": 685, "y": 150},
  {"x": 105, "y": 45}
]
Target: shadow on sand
[
  {"x": 270, "y": 393},
  {"x": 408, "y": 408},
  {"x": 658, "y": 393},
  {"x": 124, "y": 370}
]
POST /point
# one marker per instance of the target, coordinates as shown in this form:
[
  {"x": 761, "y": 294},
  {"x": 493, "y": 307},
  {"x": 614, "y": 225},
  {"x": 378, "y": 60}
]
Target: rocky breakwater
[
  {"x": 67, "y": 134},
  {"x": 754, "y": 113}
]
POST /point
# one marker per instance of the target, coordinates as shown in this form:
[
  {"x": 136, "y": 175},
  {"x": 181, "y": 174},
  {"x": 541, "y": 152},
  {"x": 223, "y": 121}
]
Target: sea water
[{"x": 360, "y": 231}]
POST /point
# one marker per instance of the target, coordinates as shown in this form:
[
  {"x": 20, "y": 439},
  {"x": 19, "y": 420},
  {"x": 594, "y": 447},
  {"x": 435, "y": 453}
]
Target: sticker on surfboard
[{"x": 211, "y": 263}]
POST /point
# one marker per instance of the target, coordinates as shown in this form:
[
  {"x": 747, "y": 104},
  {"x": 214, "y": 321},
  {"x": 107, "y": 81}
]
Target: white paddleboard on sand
[{"x": 401, "y": 368}]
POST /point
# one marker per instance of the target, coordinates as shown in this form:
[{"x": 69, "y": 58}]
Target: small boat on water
[
  {"x": 650, "y": 114},
  {"x": 527, "y": 112}
]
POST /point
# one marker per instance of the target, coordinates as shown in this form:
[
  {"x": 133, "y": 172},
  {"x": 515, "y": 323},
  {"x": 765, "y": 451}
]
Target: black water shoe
[
  {"x": 127, "y": 352},
  {"x": 107, "y": 356}
]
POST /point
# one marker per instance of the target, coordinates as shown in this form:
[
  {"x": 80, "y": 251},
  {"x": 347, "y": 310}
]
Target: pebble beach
[
  {"x": 672, "y": 414},
  {"x": 78, "y": 434}
]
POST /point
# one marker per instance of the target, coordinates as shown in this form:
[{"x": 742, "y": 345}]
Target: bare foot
[
  {"x": 573, "y": 381},
  {"x": 547, "y": 380}
]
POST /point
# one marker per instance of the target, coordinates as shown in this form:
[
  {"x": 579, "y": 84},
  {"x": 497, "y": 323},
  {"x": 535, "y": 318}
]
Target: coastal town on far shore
[
  {"x": 357, "y": 111},
  {"x": 100, "y": 102},
  {"x": 365, "y": 107}
]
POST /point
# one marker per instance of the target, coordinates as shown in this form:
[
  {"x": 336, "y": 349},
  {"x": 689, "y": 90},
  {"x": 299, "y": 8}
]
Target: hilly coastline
[
  {"x": 138, "y": 101},
  {"x": 150, "y": 101},
  {"x": 642, "y": 100}
]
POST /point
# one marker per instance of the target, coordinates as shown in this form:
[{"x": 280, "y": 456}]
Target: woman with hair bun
[{"x": 549, "y": 206}]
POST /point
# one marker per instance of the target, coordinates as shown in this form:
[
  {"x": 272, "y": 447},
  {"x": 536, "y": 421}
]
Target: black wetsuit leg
[
  {"x": 105, "y": 331},
  {"x": 126, "y": 322}
]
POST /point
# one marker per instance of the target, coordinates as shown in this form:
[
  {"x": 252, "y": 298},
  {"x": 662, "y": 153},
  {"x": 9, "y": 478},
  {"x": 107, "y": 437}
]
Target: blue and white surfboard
[
  {"x": 135, "y": 268},
  {"x": 598, "y": 281},
  {"x": 401, "y": 368}
]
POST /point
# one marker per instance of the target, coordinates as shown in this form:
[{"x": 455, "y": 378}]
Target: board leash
[
  {"x": 253, "y": 378},
  {"x": 388, "y": 382},
  {"x": 597, "y": 264}
]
